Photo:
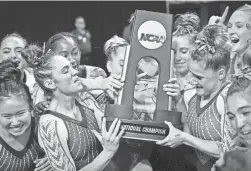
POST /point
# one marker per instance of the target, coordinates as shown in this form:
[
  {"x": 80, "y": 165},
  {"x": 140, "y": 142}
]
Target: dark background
[{"x": 37, "y": 21}]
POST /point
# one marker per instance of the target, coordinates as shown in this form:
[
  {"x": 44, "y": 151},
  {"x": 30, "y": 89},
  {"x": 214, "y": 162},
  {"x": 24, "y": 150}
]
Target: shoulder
[
  {"x": 221, "y": 100},
  {"x": 74, "y": 32},
  {"x": 30, "y": 80},
  {"x": 188, "y": 94},
  {"x": 49, "y": 124}
]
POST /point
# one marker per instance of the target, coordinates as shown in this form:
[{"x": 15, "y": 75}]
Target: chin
[
  {"x": 200, "y": 92},
  {"x": 238, "y": 47},
  {"x": 181, "y": 70},
  {"x": 18, "y": 133}
]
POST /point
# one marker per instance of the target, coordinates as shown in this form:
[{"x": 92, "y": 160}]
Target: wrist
[
  {"x": 108, "y": 153},
  {"x": 185, "y": 137}
]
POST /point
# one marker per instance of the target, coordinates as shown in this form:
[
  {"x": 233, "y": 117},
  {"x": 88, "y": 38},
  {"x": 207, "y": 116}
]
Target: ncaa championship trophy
[{"x": 151, "y": 38}]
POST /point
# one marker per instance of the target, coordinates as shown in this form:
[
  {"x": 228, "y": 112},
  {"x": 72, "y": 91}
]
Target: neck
[
  {"x": 80, "y": 29},
  {"x": 241, "y": 52},
  {"x": 215, "y": 91},
  {"x": 62, "y": 102},
  {"x": 184, "y": 74}
]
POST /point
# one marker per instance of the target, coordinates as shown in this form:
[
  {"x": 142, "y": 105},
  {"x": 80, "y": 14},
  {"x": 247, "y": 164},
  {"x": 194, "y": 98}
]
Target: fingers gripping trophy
[{"x": 150, "y": 41}]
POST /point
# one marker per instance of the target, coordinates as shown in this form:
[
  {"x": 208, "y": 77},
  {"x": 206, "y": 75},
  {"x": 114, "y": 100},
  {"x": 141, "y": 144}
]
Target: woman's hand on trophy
[
  {"x": 112, "y": 83},
  {"x": 172, "y": 88},
  {"x": 110, "y": 139},
  {"x": 174, "y": 138}
]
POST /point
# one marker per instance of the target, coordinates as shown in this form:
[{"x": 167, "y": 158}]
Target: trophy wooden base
[{"x": 142, "y": 130}]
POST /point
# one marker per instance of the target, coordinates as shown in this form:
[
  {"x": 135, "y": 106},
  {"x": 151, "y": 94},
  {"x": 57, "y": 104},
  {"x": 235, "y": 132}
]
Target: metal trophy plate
[{"x": 151, "y": 38}]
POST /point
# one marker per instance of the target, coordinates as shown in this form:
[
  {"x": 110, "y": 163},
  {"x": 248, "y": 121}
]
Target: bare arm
[{"x": 209, "y": 147}]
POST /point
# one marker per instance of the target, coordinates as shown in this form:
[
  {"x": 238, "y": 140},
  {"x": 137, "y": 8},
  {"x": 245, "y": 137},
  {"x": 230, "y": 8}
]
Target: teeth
[
  {"x": 17, "y": 128},
  {"x": 246, "y": 132},
  {"x": 234, "y": 40}
]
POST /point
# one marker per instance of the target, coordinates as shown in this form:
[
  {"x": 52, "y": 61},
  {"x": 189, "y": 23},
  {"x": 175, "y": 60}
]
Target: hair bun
[
  {"x": 9, "y": 71},
  {"x": 30, "y": 53},
  {"x": 217, "y": 36},
  {"x": 187, "y": 20}
]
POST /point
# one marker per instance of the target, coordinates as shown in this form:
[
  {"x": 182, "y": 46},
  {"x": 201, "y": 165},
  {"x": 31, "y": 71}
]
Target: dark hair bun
[
  {"x": 187, "y": 20},
  {"x": 30, "y": 53},
  {"x": 9, "y": 71}
]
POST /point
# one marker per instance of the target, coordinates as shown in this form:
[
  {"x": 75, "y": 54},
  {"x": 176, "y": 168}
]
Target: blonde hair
[{"x": 112, "y": 45}]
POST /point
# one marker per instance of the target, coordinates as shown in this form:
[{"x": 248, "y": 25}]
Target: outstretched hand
[
  {"x": 218, "y": 19},
  {"x": 110, "y": 140},
  {"x": 174, "y": 138}
]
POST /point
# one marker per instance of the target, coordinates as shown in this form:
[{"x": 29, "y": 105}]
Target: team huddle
[{"x": 52, "y": 107}]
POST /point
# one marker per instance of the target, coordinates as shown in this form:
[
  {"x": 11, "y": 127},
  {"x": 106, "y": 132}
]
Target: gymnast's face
[
  {"x": 205, "y": 80},
  {"x": 64, "y": 77},
  {"x": 11, "y": 48},
  {"x": 115, "y": 65},
  {"x": 182, "y": 48},
  {"x": 68, "y": 49},
  {"x": 239, "y": 113},
  {"x": 239, "y": 29},
  {"x": 15, "y": 116}
]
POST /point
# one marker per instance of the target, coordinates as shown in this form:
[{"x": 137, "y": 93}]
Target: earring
[
  {"x": 249, "y": 42},
  {"x": 248, "y": 26}
]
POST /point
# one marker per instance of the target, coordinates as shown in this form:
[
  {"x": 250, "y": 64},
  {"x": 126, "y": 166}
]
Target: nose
[
  {"x": 70, "y": 58},
  {"x": 177, "y": 56},
  {"x": 231, "y": 30},
  {"x": 194, "y": 81},
  {"x": 13, "y": 56},
  {"x": 74, "y": 71},
  {"x": 15, "y": 120}
]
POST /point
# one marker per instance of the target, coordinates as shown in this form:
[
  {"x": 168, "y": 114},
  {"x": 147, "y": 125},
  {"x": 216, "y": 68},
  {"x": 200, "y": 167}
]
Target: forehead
[
  {"x": 120, "y": 53},
  {"x": 182, "y": 41},
  {"x": 80, "y": 20},
  {"x": 13, "y": 104},
  {"x": 197, "y": 67},
  {"x": 65, "y": 44},
  {"x": 239, "y": 16},
  {"x": 13, "y": 42},
  {"x": 58, "y": 62},
  {"x": 236, "y": 101}
]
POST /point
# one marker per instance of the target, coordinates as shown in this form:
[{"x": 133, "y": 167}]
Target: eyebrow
[
  {"x": 65, "y": 67},
  {"x": 63, "y": 51},
  {"x": 196, "y": 74},
  {"x": 7, "y": 48},
  {"x": 23, "y": 110},
  {"x": 243, "y": 107},
  {"x": 230, "y": 113}
]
